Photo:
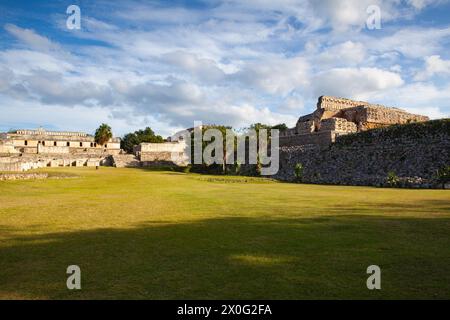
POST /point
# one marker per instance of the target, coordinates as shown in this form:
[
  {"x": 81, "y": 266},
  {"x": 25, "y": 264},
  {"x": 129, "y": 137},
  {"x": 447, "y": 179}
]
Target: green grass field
[{"x": 140, "y": 234}]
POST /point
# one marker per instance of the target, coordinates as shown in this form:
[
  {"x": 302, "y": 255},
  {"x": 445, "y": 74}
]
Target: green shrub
[
  {"x": 298, "y": 172},
  {"x": 392, "y": 179},
  {"x": 443, "y": 175}
]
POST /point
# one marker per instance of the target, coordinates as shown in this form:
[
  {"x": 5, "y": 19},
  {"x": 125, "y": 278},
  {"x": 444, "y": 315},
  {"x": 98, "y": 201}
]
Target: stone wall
[
  {"x": 414, "y": 152},
  {"x": 27, "y": 162},
  {"x": 22, "y": 176},
  {"x": 56, "y": 142},
  {"x": 315, "y": 138},
  {"x": 366, "y": 114},
  {"x": 339, "y": 116},
  {"x": 337, "y": 124},
  {"x": 52, "y": 149},
  {"x": 168, "y": 153},
  {"x": 7, "y": 148}
]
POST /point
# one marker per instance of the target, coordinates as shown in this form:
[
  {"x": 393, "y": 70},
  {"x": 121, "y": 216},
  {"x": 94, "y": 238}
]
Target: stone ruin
[
  {"x": 338, "y": 116},
  {"x": 22, "y": 150},
  {"x": 28, "y": 149},
  {"x": 167, "y": 153}
]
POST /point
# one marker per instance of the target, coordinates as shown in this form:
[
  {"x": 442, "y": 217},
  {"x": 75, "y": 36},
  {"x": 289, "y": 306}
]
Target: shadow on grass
[{"x": 234, "y": 258}]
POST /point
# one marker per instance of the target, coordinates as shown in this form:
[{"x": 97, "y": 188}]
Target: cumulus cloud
[
  {"x": 420, "y": 4},
  {"x": 357, "y": 83},
  {"x": 419, "y": 97},
  {"x": 31, "y": 38},
  {"x": 205, "y": 70},
  {"x": 233, "y": 62},
  {"x": 412, "y": 42},
  {"x": 346, "y": 53},
  {"x": 434, "y": 65},
  {"x": 275, "y": 76}
]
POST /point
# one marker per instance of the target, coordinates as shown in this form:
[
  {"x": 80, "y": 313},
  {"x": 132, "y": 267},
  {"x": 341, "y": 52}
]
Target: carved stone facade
[
  {"x": 41, "y": 141},
  {"x": 338, "y": 116},
  {"x": 22, "y": 150}
]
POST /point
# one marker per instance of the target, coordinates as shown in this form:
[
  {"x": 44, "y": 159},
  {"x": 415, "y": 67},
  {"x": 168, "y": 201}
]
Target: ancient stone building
[
  {"x": 22, "y": 150},
  {"x": 414, "y": 153},
  {"x": 169, "y": 153},
  {"x": 41, "y": 141},
  {"x": 337, "y": 116}
]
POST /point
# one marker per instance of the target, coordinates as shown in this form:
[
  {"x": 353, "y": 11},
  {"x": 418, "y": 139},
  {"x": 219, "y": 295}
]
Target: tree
[
  {"x": 129, "y": 141},
  {"x": 223, "y": 131},
  {"x": 298, "y": 172},
  {"x": 443, "y": 175},
  {"x": 257, "y": 127},
  {"x": 134, "y": 138},
  {"x": 282, "y": 127},
  {"x": 103, "y": 134}
]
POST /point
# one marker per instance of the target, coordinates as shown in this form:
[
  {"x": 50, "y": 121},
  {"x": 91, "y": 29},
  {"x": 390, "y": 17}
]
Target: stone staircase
[{"x": 125, "y": 161}]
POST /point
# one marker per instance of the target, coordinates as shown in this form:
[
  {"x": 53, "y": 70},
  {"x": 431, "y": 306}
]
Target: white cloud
[
  {"x": 275, "y": 76},
  {"x": 235, "y": 62},
  {"x": 412, "y": 42},
  {"x": 434, "y": 65},
  {"x": 346, "y": 53},
  {"x": 205, "y": 70},
  {"x": 419, "y": 97},
  {"x": 26, "y": 60},
  {"x": 357, "y": 83},
  {"x": 420, "y": 4},
  {"x": 31, "y": 38}
]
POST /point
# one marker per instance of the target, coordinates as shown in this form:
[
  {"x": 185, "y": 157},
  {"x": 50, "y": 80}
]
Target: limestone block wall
[
  {"x": 7, "y": 148},
  {"x": 27, "y": 162},
  {"x": 168, "y": 152},
  {"x": 315, "y": 138},
  {"x": 9, "y": 166},
  {"x": 29, "y": 150},
  {"x": 161, "y": 158},
  {"x": 336, "y": 104},
  {"x": 305, "y": 127},
  {"x": 26, "y": 140},
  {"x": 162, "y": 147},
  {"x": 337, "y": 124},
  {"x": 288, "y": 132},
  {"x": 23, "y": 176},
  {"x": 53, "y": 149},
  {"x": 414, "y": 152},
  {"x": 390, "y": 115},
  {"x": 361, "y": 111}
]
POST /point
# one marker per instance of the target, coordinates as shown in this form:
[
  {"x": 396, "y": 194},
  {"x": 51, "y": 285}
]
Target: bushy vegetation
[
  {"x": 392, "y": 179},
  {"x": 134, "y": 138},
  {"x": 234, "y": 168},
  {"x": 443, "y": 175},
  {"x": 298, "y": 172}
]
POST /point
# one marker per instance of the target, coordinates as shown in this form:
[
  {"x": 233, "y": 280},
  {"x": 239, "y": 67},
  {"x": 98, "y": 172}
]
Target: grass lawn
[{"x": 163, "y": 235}]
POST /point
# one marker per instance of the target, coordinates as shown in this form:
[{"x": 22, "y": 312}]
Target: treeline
[
  {"x": 236, "y": 168},
  {"x": 148, "y": 135},
  {"x": 135, "y": 138}
]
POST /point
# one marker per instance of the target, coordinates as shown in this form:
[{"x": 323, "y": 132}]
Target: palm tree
[{"x": 103, "y": 134}]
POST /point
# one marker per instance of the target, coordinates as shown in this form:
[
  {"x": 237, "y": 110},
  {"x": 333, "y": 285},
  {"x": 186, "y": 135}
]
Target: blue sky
[{"x": 165, "y": 64}]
